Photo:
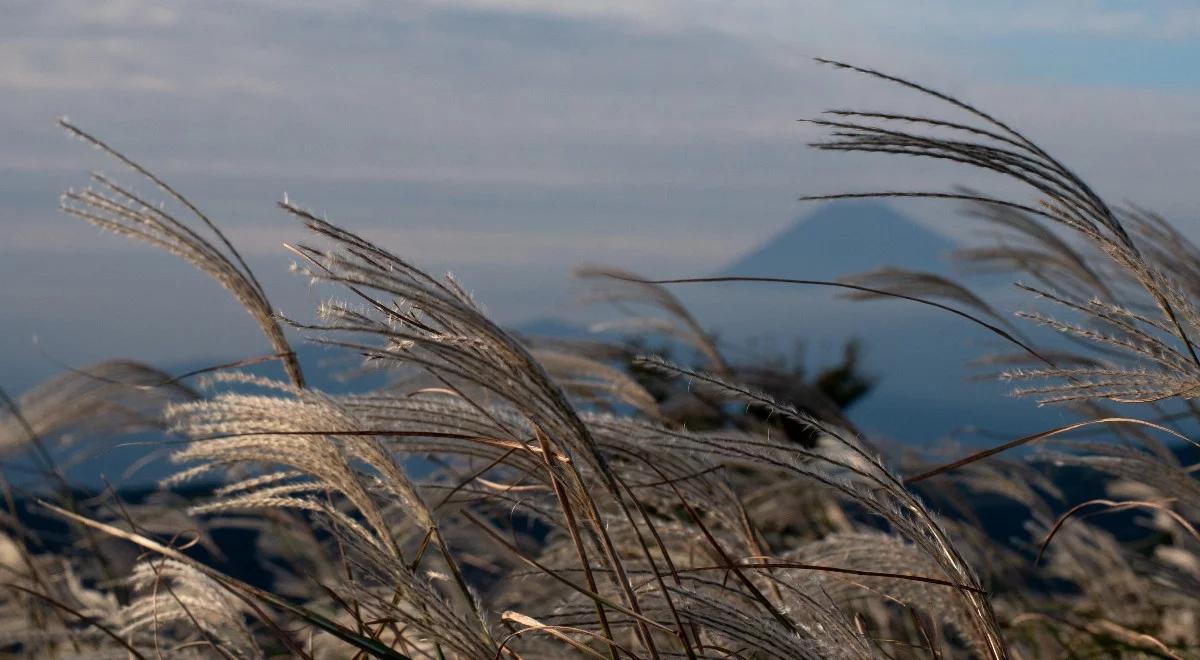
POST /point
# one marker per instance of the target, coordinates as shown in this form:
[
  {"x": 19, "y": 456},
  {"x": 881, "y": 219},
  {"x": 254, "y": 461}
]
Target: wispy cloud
[{"x": 657, "y": 133}]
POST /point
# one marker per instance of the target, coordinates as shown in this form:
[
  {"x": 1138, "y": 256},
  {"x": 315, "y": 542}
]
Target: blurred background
[{"x": 509, "y": 142}]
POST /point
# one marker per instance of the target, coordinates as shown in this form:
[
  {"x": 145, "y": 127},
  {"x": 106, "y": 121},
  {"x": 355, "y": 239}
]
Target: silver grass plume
[{"x": 113, "y": 207}]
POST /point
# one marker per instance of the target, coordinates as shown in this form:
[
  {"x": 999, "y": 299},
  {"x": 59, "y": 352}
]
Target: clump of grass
[{"x": 574, "y": 512}]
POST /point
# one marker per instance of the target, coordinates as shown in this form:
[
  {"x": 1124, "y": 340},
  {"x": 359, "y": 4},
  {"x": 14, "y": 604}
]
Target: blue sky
[{"x": 509, "y": 141}]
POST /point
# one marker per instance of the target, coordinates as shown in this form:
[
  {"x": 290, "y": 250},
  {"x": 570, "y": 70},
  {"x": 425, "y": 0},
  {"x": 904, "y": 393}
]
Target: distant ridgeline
[
  {"x": 925, "y": 387},
  {"x": 843, "y": 238}
]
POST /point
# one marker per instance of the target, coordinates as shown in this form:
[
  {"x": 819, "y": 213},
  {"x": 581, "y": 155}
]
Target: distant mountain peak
[{"x": 842, "y": 238}]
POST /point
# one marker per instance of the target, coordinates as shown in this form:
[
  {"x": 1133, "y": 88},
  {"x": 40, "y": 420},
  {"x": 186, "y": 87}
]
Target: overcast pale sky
[{"x": 508, "y": 141}]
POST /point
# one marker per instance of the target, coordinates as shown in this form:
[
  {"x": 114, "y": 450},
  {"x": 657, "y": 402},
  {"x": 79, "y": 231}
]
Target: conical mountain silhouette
[{"x": 843, "y": 238}]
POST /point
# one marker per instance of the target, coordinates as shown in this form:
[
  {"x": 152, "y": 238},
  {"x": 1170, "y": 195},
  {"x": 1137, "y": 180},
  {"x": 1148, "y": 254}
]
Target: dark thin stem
[
  {"x": 92, "y": 621},
  {"x": 978, "y": 456},
  {"x": 855, "y": 287}
]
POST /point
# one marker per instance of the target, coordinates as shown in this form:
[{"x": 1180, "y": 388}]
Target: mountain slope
[{"x": 842, "y": 238}]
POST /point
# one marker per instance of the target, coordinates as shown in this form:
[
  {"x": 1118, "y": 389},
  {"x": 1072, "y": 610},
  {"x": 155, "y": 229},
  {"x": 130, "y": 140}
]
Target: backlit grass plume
[{"x": 501, "y": 497}]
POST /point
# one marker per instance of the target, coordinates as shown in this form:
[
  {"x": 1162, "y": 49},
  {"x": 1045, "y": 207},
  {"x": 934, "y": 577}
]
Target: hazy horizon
[{"x": 510, "y": 142}]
